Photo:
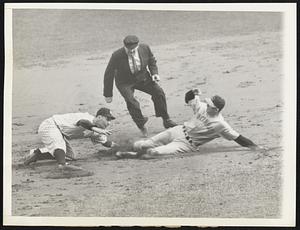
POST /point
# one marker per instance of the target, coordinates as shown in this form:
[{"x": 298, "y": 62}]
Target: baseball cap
[
  {"x": 216, "y": 101},
  {"x": 130, "y": 41},
  {"x": 106, "y": 113}
]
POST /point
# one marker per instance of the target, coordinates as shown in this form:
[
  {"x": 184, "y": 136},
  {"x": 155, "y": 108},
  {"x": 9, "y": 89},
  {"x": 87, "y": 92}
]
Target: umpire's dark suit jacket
[{"x": 118, "y": 68}]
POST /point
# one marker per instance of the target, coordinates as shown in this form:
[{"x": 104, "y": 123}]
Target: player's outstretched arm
[
  {"x": 106, "y": 132},
  {"x": 245, "y": 142}
]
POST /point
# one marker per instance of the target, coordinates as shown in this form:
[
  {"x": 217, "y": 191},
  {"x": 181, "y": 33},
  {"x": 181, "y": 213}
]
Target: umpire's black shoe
[{"x": 168, "y": 123}]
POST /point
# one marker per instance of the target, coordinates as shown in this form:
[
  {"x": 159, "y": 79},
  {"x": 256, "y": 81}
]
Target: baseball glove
[
  {"x": 97, "y": 138},
  {"x": 190, "y": 95}
]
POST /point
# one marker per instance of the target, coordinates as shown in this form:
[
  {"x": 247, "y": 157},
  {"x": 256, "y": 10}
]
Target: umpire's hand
[{"x": 108, "y": 99}]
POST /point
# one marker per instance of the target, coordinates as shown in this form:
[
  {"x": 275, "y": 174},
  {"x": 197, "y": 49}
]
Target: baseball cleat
[
  {"x": 32, "y": 156},
  {"x": 126, "y": 154}
]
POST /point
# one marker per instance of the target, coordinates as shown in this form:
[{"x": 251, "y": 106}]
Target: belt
[{"x": 187, "y": 137}]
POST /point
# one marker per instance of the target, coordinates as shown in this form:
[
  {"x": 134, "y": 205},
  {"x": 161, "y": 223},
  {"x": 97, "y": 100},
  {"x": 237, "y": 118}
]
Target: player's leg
[
  {"x": 41, "y": 153},
  {"x": 179, "y": 144},
  {"x": 159, "y": 139},
  {"x": 55, "y": 142},
  {"x": 60, "y": 156},
  {"x": 70, "y": 155},
  {"x": 45, "y": 154},
  {"x": 37, "y": 155},
  {"x": 140, "y": 147},
  {"x": 32, "y": 156},
  {"x": 173, "y": 148}
]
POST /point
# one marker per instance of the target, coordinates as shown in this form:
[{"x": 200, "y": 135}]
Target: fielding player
[
  {"x": 206, "y": 124},
  {"x": 56, "y": 131}
]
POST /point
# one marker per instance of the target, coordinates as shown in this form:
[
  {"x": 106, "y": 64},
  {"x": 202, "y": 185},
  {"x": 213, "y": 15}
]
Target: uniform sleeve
[
  {"x": 98, "y": 138},
  {"x": 85, "y": 124},
  {"x": 109, "y": 76},
  {"x": 152, "y": 62},
  {"x": 197, "y": 105},
  {"x": 227, "y": 132}
]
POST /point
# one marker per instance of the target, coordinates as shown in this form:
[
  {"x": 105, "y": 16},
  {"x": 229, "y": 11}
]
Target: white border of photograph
[{"x": 289, "y": 121}]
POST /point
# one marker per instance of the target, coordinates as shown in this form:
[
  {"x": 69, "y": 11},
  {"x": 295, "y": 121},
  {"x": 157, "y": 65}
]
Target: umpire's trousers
[{"x": 157, "y": 95}]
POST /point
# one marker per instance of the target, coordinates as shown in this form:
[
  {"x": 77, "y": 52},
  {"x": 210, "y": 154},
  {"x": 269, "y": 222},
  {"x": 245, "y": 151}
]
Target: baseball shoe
[
  {"x": 120, "y": 154},
  {"x": 168, "y": 123},
  {"x": 32, "y": 156},
  {"x": 143, "y": 128}
]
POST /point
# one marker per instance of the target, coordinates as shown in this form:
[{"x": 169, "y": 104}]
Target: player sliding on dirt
[
  {"x": 206, "y": 124},
  {"x": 58, "y": 129}
]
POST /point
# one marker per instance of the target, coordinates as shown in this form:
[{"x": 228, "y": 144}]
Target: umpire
[{"x": 134, "y": 67}]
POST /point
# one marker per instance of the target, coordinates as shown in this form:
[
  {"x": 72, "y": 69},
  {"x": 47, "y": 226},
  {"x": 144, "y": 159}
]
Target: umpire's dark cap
[
  {"x": 131, "y": 41},
  {"x": 106, "y": 113}
]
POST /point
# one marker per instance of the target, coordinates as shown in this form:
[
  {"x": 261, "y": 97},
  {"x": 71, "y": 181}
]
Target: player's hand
[
  {"x": 102, "y": 131},
  {"x": 259, "y": 148},
  {"x": 108, "y": 99},
  {"x": 155, "y": 78},
  {"x": 107, "y": 132}
]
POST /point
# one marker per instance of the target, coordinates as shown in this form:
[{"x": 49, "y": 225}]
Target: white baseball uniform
[
  {"x": 58, "y": 129},
  {"x": 200, "y": 129}
]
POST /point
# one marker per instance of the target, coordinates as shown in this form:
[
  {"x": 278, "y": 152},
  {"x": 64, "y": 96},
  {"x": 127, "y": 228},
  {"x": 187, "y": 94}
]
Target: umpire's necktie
[{"x": 135, "y": 68}]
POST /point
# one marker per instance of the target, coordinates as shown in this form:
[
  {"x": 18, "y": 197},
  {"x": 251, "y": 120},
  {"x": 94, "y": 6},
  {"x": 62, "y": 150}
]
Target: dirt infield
[{"x": 222, "y": 179}]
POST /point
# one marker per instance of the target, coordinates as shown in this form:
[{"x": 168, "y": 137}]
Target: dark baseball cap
[
  {"x": 131, "y": 41},
  {"x": 216, "y": 101},
  {"x": 106, "y": 113}
]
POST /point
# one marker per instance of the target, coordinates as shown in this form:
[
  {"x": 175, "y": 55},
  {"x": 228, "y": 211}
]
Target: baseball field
[{"x": 59, "y": 61}]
